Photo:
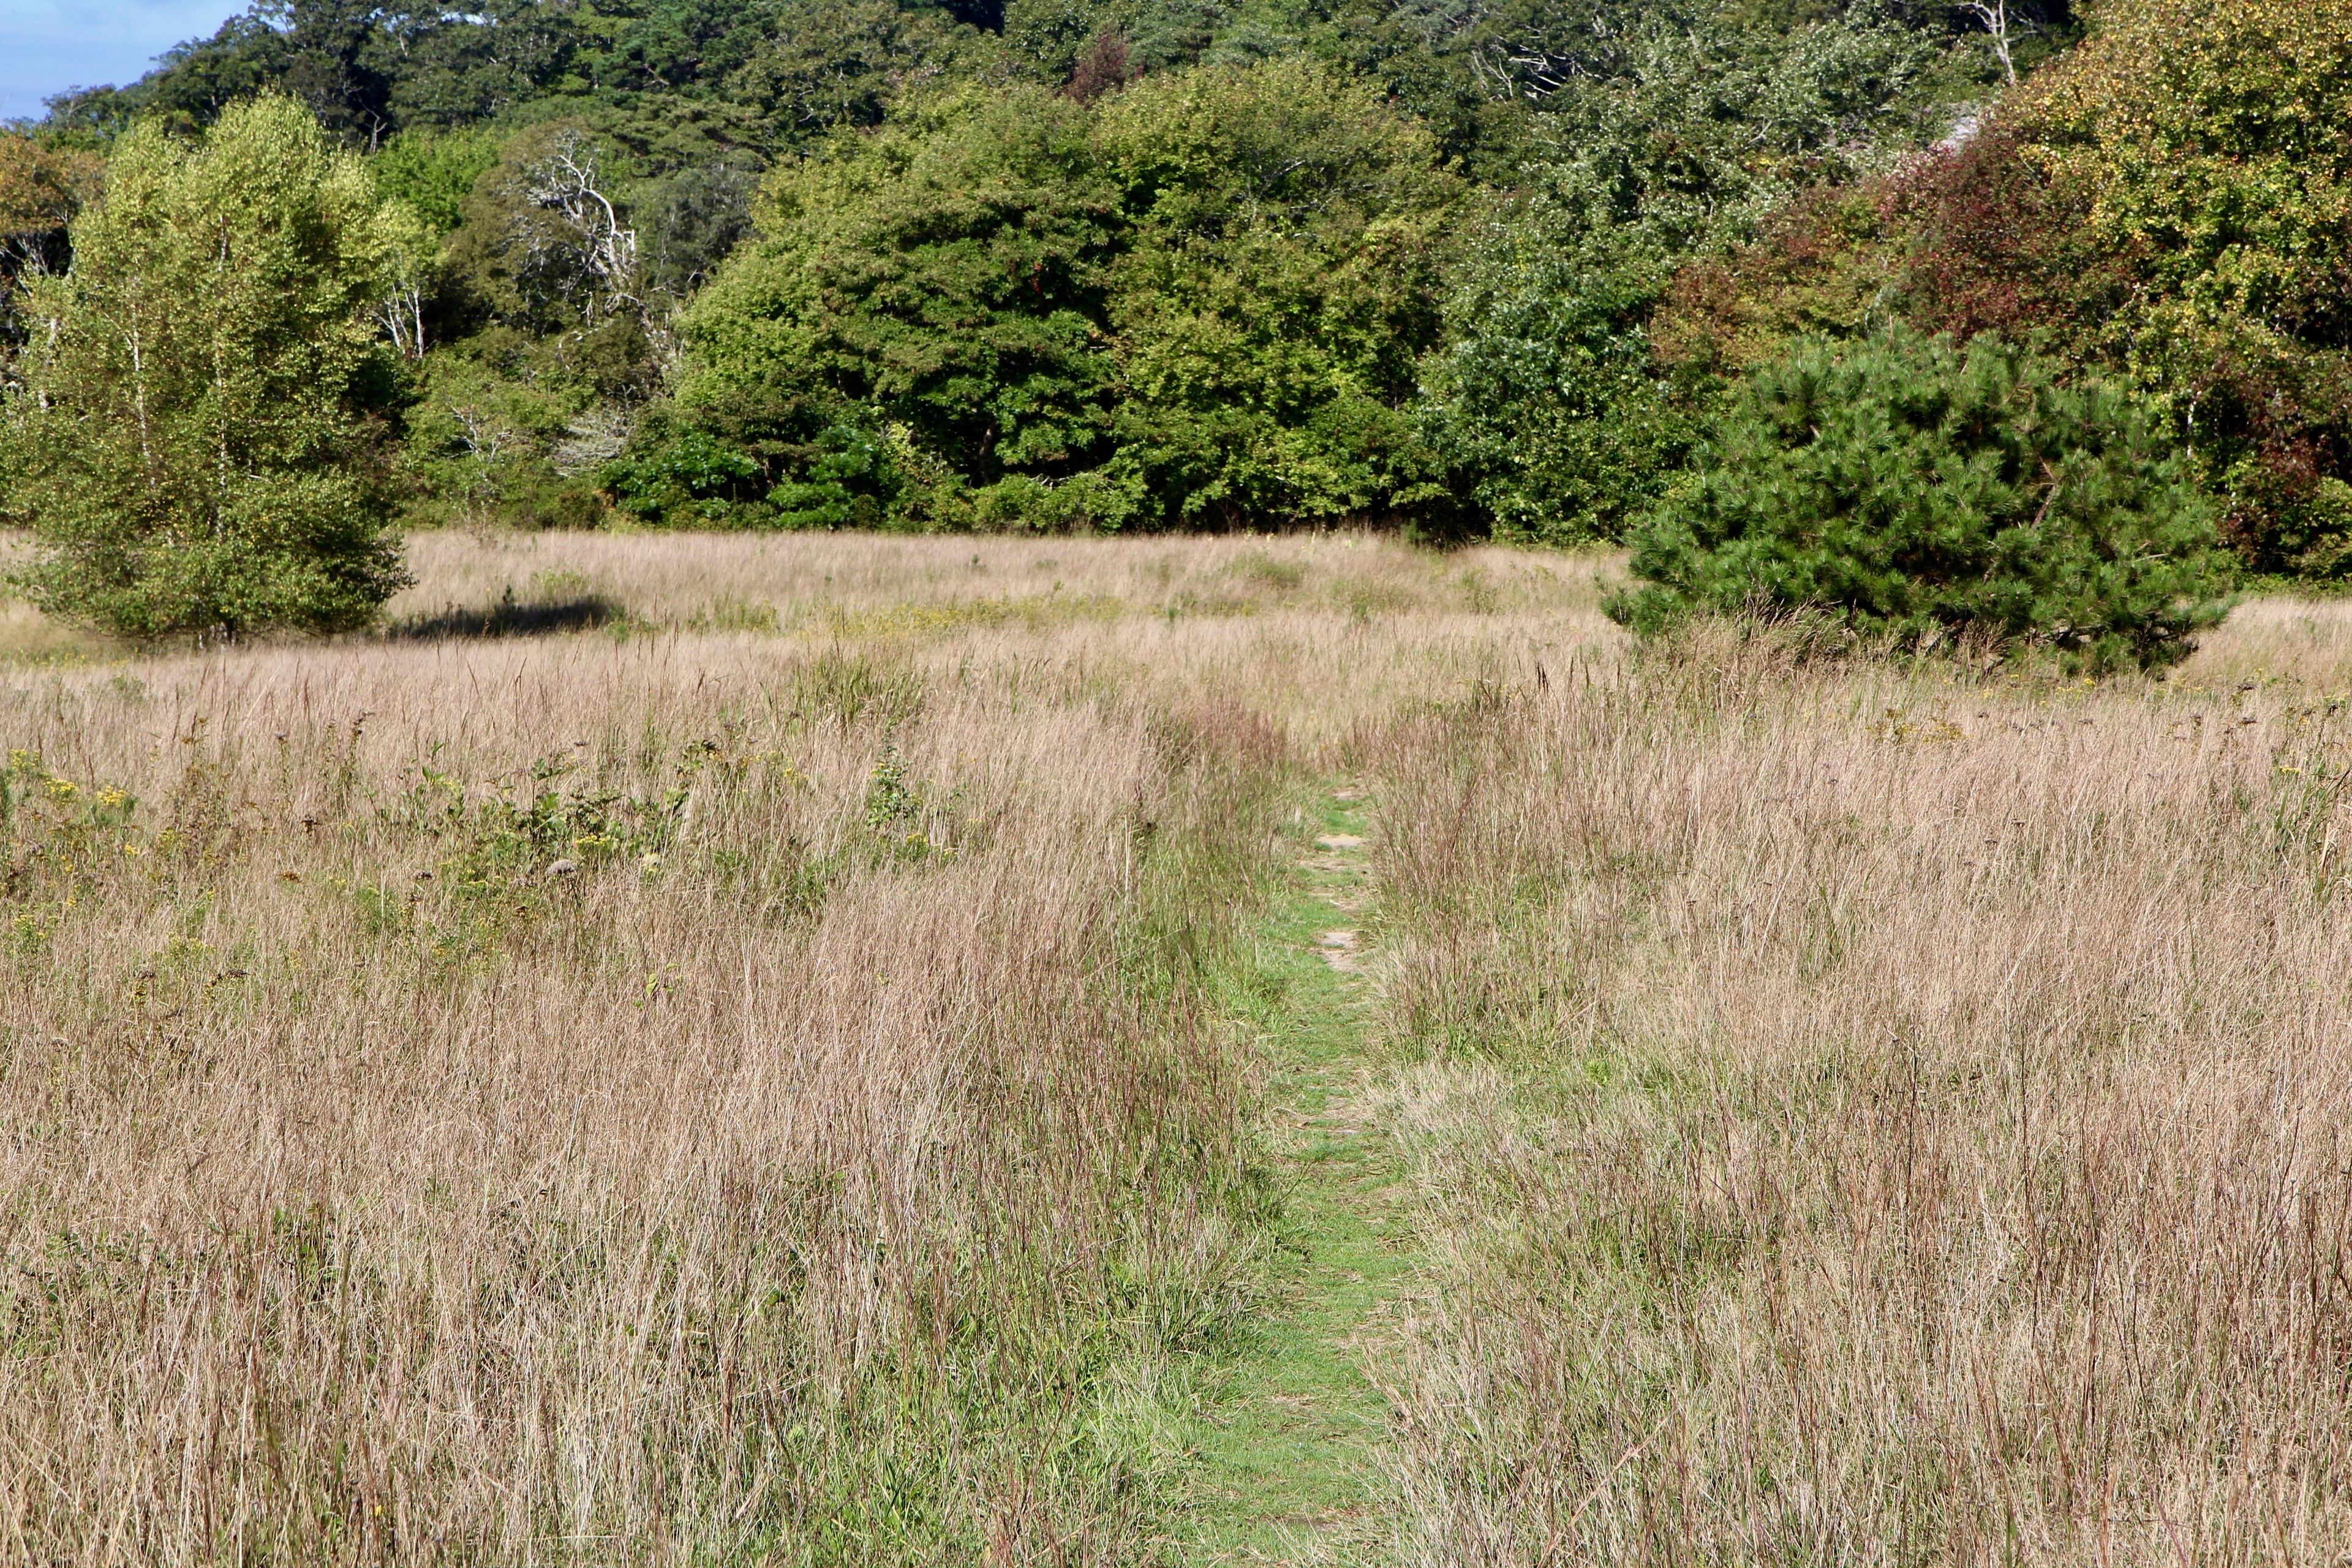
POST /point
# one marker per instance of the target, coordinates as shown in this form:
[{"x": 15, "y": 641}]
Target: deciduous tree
[
  {"x": 2171, "y": 203},
  {"x": 194, "y": 439}
]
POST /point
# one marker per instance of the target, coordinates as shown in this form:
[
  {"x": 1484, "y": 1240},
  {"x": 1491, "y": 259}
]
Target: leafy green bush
[
  {"x": 1201, "y": 300},
  {"x": 194, "y": 439},
  {"x": 1921, "y": 491},
  {"x": 485, "y": 446},
  {"x": 1544, "y": 403},
  {"x": 683, "y": 477},
  {"x": 848, "y": 478}
]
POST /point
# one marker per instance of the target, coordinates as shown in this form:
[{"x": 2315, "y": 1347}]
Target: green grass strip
[{"x": 1286, "y": 1461}]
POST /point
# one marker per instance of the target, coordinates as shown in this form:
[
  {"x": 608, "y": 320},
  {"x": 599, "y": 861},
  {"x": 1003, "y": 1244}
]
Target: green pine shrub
[{"x": 1918, "y": 489}]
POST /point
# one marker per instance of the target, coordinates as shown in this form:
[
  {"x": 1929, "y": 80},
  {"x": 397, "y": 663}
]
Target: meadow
[{"x": 865, "y": 1050}]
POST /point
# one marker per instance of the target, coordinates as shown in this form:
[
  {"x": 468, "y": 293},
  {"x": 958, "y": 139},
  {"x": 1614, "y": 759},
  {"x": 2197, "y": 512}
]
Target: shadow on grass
[{"x": 509, "y": 617}]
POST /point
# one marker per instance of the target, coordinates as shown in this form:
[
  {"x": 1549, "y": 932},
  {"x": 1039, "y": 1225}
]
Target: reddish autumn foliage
[
  {"x": 1822, "y": 268},
  {"x": 41, "y": 188},
  {"x": 1993, "y": 246},
  {"x": 1103, "y": 68},
  {"x": 2171, "y": 203},
  {"x": 2133, "y": 231}
]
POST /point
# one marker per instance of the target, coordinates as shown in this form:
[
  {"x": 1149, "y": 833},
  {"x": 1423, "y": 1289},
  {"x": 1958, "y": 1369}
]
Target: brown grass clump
[{"x": 1879, "y": 1119}]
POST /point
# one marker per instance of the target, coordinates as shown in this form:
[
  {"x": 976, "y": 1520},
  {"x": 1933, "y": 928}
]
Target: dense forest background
[{"x": 1495, "y": 267}]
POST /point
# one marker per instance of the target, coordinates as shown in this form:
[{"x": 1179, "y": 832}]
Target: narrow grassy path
[{"x": 1286, "y": 1470}]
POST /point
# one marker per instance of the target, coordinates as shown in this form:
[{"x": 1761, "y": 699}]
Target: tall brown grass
[
  {"x": 718, "y": 1086},
  {"x": 1874, "y": 1117},
  {"x": 743, "y": 1077},
  {"x": 824, "y": 584}
]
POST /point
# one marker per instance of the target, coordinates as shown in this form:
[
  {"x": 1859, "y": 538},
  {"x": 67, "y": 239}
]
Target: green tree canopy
[
  {"x": 1198, "y": 299},
  {"x": 194, "y": 442},
  {"x": 1187, "y": 263},
  {"x": 1281, "y": 277},
  {"x": 945, "y": 275}
]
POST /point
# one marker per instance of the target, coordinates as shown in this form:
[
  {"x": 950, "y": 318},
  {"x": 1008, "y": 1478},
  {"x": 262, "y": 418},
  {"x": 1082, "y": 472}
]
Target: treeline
[{"x": 1515, "y": 268}]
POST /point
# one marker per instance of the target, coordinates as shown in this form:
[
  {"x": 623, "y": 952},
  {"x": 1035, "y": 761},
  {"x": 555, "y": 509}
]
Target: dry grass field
[
  {"x": 1879, "y": 1121},
  {"x": 735, "y": 1049}
]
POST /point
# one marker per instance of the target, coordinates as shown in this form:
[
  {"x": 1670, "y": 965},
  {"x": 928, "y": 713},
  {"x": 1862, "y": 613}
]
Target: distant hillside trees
[
  {"x": 1527, "y": 269},
  {"x": 1215, "y": 331}
]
